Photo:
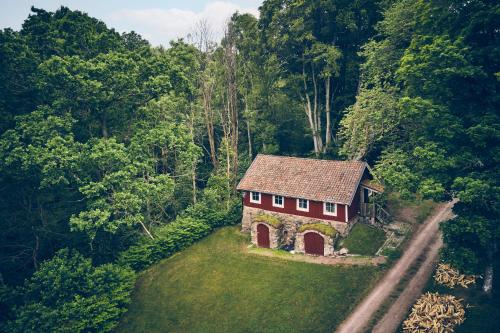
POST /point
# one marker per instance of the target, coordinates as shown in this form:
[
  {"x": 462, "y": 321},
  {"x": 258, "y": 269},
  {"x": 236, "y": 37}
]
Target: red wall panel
[{"x": 315, "y": 207}]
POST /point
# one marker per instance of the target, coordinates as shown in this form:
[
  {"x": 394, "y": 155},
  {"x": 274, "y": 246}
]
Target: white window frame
[
  {"x": 252, "y": 199},
  {"x": 326, "y": 212},
  {"x": 282, "y": 201},
  {"x": 300, "y": 208}
]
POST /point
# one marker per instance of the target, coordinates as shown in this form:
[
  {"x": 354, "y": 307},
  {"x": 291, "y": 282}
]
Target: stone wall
[
  {"x": 328, "y": 247},
  {"x": 290, "y": 223}
]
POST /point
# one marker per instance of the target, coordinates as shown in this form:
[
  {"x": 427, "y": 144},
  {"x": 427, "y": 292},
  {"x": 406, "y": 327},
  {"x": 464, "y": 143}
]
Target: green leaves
[
  {"x": 42, "y": 145},
  {"x": 91, "y": 221},
  {"x": 437, "y": 65},
  {"x": 371, "y": 120},
  {"x": 130, "y": 186},
  {"x": 439, "y": 58},
  {"x": 483, "y": 196},
  {"x": 468, "y": 239},
  {"x": 68, "y": 294}
]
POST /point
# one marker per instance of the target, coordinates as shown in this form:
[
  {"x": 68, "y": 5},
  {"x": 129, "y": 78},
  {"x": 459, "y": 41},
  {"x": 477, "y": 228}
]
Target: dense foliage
[
  {"x": 68, "y": 294},
  {"x": 128, "y": 153},
  {"x": 427, "y": 111}
]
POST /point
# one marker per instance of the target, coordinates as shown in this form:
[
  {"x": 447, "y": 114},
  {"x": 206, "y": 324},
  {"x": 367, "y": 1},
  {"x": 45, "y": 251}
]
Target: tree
[
  {"x": 68, "y": 294},
  {"x": 39, "y": 159},
  {"x": 318, "y": 41},
  {"x": 433, "y": 65}
]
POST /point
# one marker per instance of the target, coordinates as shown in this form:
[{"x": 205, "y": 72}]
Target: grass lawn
[
  {"x": 363, "y": 239},
  {"x": 215, "y": 286}
]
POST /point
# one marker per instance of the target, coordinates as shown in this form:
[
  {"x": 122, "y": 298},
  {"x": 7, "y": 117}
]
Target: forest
[{"x": 115, "y": 154}]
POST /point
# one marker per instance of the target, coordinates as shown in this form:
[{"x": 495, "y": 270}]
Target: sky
[{"x": 158, "y": 21}]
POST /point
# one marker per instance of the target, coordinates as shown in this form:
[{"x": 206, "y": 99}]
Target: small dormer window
[
  {"x": 255, "y": 197},
  {"x": 303, "y": 205},
  {"x": 330, "y": 208}
]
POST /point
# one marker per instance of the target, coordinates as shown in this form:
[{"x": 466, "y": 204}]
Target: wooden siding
[
  {"x": 354, "y": 207},
  {"x": 315, "y": 207}
]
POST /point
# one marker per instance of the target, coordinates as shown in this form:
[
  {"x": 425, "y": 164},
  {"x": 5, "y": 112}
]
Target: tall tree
[{"x": 427, "y": 111}]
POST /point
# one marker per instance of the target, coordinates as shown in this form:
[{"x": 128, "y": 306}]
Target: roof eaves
[{"x": 357, "y": 183}]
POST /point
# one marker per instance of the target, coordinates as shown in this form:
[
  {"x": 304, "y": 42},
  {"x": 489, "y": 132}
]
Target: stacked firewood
[
  {"x": 450, "y": 277},
  {"x": 434, "y": 313}
]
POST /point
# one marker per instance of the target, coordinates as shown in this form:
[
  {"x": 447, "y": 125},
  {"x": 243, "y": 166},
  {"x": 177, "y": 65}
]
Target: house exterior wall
[
  {"x": 291, "y": 223},
  {"x": 290, "y": 207},
  {"x": 353, "y": 209}
]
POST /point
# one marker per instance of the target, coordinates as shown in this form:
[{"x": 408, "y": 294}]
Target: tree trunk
[
  {"x": 488, "y": 273},
  {"x": 328, "y": 131},
  {"x": 231, "y": 90},
  {"x": 35, "y": 252},
  {"x": 316, "y": 113},
  {"x": 309, "y": 112},
  {"x": 104, "y": 126},
  {"x": 209, "y": 122},
  {"x": 307, "y": 107},
  {"x": 488, "y": 280},
  {"x": 249, "y": 137},
  {"x": 193, "y": 180},
  {"x": 146, "y": 230}
]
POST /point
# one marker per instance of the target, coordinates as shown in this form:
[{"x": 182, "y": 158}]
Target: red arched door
[
  {"x": 314, "y": 244},
  {"x": 262, "y": 235}
]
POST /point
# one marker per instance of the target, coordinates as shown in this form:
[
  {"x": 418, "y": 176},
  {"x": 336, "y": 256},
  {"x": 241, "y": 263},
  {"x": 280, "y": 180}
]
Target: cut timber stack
[
  {"x": 450, "y": 277},
  {"x": 434, "y": 313}
]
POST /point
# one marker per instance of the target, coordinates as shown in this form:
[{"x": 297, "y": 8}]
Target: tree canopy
[{"x": 115, "y": 154}]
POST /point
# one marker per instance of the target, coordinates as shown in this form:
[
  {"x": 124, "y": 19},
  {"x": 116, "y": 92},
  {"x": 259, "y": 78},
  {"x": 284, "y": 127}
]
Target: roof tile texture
[{"x": 319, "y": 180}]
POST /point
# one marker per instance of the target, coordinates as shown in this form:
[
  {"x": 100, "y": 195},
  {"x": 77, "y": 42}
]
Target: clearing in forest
[{"x": 217, "y": 286}]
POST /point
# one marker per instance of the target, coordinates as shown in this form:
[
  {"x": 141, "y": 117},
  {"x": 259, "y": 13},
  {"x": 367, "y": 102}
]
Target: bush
[
  {"x": 215, "y": 209},
  {"x": 68, "y": 294},
  {"x": 169, "y": 239},
  {"x": 215, "y": 215},
  {"x": 393, "y": 254}
]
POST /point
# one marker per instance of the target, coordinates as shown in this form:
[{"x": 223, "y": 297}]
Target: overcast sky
[{"x": 159, "y": 21}]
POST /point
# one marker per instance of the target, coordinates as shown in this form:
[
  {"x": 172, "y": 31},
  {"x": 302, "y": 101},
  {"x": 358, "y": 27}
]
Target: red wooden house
[{"x": 302, "y": 201}]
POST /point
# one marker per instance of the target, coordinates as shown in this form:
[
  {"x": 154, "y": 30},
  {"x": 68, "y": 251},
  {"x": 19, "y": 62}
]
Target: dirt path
[
  {"x": 397, "y": 312},
  {"x": 362, "y": 314}
]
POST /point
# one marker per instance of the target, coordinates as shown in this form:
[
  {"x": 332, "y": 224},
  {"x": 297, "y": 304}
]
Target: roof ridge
[{"x": 308, "y": 158}]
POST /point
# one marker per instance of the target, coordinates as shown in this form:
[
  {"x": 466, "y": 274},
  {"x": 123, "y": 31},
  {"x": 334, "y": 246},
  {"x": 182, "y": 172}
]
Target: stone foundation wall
[
  {"x": 328, "y": 247},
  {"x": 290, "y": 223}
]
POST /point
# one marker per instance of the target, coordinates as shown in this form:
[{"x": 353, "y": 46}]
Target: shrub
[
  {"x": 68, "y": 294},
  {"x": 196, "y": 222},
  {"x": 169, "y": 239},
  {"x": 215, "y": 215}
]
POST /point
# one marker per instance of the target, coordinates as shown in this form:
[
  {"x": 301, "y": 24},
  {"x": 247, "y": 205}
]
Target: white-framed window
[
  {"x": 255, "y": 197},
  {"x": 330, "y": 208},
  {"x": 303, "y": 205},
  {"x": 278, "y": 201}
]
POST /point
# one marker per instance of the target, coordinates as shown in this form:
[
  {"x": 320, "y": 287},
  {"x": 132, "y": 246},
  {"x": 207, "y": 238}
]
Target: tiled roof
[{"x": 319, "y": 180}]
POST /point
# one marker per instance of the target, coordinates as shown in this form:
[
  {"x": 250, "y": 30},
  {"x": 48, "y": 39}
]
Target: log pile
[
  {"x": 434, "y": 313},
  {"x": 450, "y": 277}
]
